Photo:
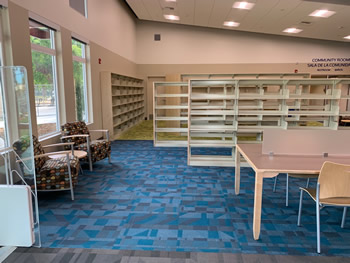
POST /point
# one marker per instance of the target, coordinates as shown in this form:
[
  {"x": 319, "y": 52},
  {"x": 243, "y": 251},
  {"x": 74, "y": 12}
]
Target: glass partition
[{"x": 16, "y": 144}]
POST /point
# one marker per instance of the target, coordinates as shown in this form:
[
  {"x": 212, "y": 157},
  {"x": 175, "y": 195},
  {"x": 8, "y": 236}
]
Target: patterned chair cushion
[
  {"x": 38, "y": 149},
  {"x": 54, "y": 174},
  {"x": 74, "y": 128},
  {"x": 99, "y": 150}
]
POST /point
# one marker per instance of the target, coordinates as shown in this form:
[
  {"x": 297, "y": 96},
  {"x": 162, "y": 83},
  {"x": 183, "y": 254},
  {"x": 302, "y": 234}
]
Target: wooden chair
[
  {"x": 302, "y": 176},
  {"x": 78, "y": 133},
  {"x": 333, "y": 189}
]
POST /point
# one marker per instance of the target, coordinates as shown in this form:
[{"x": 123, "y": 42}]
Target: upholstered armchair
[
  {"x": 58, "y": 173},
  {"x": 78, "y": 133}
]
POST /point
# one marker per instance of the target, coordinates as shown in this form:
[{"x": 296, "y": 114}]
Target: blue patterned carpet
[{"x": 149, "y": 199}]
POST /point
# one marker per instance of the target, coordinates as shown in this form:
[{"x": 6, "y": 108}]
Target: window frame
[
  {"x": 84, "y": 61},
  {"x": 53, "y": 53}
]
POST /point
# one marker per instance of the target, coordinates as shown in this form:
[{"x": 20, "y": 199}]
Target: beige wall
[
  {"x": 110, "y": 61},
  {"x": 196, "y": 45},
  {"x": 196, "y": 50},
  {"x": 109, "y": 22}
]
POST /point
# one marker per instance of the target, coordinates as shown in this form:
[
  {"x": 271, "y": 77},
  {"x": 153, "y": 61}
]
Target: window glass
[
  {"x": 44, "y": 74},
  {"x": 40, "y": 35},
  {"x": 80, "y": 85}
]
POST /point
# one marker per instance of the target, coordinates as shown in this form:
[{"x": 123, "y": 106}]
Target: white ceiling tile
[
  {"x": 267, "y": 16},
  {"x": 202, "y": 11},
  {"x": 186, "y": 11},
  {"x": 139, "y": 9},
  {"x": 154, "y": 8},
  {"x": 220, "y": 12}
]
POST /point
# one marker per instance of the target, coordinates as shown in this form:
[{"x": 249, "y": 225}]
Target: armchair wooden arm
[
  {"x": 75, "y": 136},
  {"x": 98, "y": 130},
  {"x": 58, "y": 144},
  {"x": 106, "y": 131},
  {"x": 52, "y": 153}
]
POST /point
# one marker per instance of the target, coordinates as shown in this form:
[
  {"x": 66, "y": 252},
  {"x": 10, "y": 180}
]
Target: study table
[{"x": 268, "y": 166}]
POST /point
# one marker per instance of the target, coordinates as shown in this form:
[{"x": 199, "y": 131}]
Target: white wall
[
  {"x": 195, "y": 45},
  {"x": 109, "y": 22}
]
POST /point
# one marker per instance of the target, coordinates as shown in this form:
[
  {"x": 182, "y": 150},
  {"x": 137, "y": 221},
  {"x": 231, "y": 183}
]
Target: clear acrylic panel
[{"x": 16, "y": 132}]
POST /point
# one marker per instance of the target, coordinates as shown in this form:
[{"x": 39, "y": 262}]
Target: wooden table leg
[
  {"x": 257, "y": 204},
  {"x": 237, "y": 171}
]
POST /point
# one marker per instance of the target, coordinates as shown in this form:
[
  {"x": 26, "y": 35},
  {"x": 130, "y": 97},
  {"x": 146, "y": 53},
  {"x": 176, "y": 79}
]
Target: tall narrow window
[
  {"x": 42, "y": 39},
  {"x": 80, "y": 85}
]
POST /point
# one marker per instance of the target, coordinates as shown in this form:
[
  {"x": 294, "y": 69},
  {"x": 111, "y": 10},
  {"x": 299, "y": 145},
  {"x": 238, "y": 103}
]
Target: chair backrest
[
  {"x": 334, "y": 180},
  {"x": 38, "y": 149},
  {"x": 74, "y": 128}
]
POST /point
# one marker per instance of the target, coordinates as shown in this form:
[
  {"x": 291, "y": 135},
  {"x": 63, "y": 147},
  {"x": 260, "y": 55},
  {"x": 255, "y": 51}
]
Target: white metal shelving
[
  {"x": 224, "y": 112},
  {"x": 170, "y": 114}
]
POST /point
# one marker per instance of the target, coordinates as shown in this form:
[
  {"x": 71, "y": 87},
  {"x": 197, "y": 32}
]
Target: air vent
[{"x": 156, "y": 37}]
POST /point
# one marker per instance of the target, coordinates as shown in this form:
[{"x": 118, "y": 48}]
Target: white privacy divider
[{"x": 306, "y": 142}]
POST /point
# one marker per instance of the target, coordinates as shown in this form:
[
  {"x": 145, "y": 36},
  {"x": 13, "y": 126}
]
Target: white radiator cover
[{"x": 16, "y": 216}]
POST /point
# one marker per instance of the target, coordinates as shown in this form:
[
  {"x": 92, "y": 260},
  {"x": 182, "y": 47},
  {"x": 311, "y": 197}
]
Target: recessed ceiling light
[
  {"x": 170, "y": 0},
  {"x": 243, "y": 5},
  {"x": 172, "y": 17},
  {"x": 322, "y": 13},
  {"x": 292, "y": 30},
  {"x": 231, "y": 24},
  {"x": 347, "y": 37}
]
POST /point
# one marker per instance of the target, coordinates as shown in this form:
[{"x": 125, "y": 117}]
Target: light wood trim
[
  {"x": 98, "y": 130},
  {"x": 257, "y": 204},
  {"x": 334, "y": 180},
  {"x": 75, "y": 136},
  {"x": 51, "y": 153},
  {"x": 58, "y": 144},
  {"x": 237, "y": 171}
]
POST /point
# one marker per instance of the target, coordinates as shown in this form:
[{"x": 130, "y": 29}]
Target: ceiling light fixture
[
  {"x": 170, "y": 0},
  {"x": 172, "y": 17},
  {"x": 292, "y": 30},
  {"x": 231, "y": 24},
  {"x": 347, "y": 37},
  {"x": 322, "y": 13},
  {"x": 243, "y": 5}
]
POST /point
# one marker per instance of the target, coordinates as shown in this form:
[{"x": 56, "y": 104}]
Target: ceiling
[{"x": 267, "y": 16}]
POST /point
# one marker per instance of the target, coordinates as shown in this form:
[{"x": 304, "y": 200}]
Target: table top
[
  {"x": 79, "y": 154},
  {"x": 310, "y": 164}
]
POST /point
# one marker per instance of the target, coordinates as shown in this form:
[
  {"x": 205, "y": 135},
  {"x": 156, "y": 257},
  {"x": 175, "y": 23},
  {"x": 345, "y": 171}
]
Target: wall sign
[{"x": 329, "y": 64}]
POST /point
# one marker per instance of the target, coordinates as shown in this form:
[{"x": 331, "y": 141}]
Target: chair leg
[
  {"x": 274, "y": 184},
  {"x": 89, "y": 152},
  {"x": 318, "y": 218},
  {"x": 343, "y": 219},
  {"x": 109, "y": 158},
  {"x": 287, "y": 186},
  {"x": 307, "y": 182},
  {"x": 70, "y": 178},
  {"x": 90, "y": 164},
  {"x": 300, "y": 207}
]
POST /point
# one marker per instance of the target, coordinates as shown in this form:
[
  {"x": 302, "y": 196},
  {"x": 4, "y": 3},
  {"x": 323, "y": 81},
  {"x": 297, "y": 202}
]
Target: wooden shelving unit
[{"x": 123, "y": 103}]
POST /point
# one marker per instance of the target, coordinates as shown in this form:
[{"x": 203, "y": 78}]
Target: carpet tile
[{"x": 149, "y": 199}]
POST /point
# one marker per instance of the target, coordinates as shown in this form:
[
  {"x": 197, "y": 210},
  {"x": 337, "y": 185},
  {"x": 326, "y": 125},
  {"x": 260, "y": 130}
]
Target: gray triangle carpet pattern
[{"x": 149, "y": 199}]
